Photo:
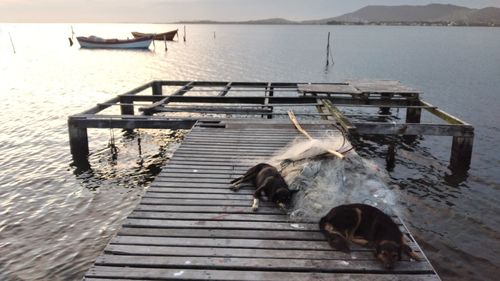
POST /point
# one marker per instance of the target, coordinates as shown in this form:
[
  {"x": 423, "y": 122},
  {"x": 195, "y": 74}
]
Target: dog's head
[
  {"x": 282, "y": 197},
  {"x": 388, "y": 252}
]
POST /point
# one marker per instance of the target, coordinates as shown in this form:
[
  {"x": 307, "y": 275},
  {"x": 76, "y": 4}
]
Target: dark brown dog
[
  {"x": 267, "y": 180},
  {"x": 367, "y": 226}
]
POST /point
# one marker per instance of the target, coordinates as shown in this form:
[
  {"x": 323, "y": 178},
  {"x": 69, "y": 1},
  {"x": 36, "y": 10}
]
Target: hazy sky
[{"x": 175, "y": 10}]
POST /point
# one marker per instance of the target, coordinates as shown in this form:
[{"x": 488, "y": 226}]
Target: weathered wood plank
[
  {"x": 207, "y": 209},
  {"x": 321, "y": 245},
  {"x": 196, "y": 185},
  {"x": 224, "y": 233},
  {"x": 219, "y": 224},
  {"x": 257, "y": 264},
  {"x": 331, "y": 88},
  {"x": 377, "y": 128},
  {"x": 200, "y": 202},
  {"x": 255, "y": 216},
  {"x": 144, "y": 250},
  {"x": 246, "y": 190},
  {"x": 200, "y": 274},
  {"x": 168, "y": 195}
]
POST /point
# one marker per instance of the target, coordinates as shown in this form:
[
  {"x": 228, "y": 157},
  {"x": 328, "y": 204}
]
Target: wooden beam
[
  {"x": 165, "y": 100},
  {"x": 443, "y": 115},
  {"x": 339, "y": 116},
  {"x": 98, "y": 108},
  {"x": 225, "y": 90},
  {"x": 376, "y": 128},
  {"x": 174, "y": 124},
  {"x": 217, "y": 109}
]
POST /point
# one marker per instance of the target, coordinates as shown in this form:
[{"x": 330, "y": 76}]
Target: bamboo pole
[{"x": 300, "y": 129}]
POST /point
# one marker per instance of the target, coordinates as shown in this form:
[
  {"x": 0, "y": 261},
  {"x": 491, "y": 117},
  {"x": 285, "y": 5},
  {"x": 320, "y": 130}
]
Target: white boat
[{"x": 94, "y": 42}]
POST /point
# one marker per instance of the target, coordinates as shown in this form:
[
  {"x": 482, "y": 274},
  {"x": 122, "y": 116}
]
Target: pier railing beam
[
  {"x": 78, "y": 141},
  {"x": 461, "y": 153}
]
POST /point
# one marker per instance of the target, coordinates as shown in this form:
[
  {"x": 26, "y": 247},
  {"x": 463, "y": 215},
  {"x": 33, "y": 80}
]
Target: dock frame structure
[{"x": 194, "y": 101}]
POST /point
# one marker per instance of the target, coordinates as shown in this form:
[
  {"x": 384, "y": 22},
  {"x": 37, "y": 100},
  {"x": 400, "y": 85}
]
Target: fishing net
[{"x": 323, "y": 181}]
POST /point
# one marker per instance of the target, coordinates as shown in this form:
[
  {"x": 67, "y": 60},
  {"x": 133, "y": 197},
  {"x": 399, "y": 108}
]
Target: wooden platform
[{"x": 191, "y": 226}]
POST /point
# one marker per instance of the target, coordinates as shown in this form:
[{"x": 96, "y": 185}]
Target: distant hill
[
  {"x": 262, "y": 21},
  {"x": 432, "y": 14}
]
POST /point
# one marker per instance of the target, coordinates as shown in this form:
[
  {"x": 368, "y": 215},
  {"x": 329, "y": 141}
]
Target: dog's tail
[{"x": 251, "y": 173}]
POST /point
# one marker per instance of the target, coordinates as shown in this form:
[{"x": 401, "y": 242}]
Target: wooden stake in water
[
  {"x": 184, "y": 33},
  {"x": 214, "y": 34},
  {"x": 12, "y": 43},
  {"x": 328, "y": 50},
  {"x": 165, "y": 40}
]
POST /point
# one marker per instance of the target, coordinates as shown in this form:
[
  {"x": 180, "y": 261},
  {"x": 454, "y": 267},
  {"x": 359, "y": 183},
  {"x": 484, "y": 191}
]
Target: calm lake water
[{"x": 55, "y": 219}]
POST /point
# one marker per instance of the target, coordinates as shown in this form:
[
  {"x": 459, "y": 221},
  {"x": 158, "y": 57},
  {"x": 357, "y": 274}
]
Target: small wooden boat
[
  {"x": 94, "y": 42},
  {"x": 157, "y": 36}
]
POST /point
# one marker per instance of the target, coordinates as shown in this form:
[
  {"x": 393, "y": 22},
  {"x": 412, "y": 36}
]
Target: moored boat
[
  {"x": 94, "y": 42},
  {"x": 169, "y": 36}
]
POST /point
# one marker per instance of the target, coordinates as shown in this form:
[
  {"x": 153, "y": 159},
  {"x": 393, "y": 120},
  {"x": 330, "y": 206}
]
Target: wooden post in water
[
  {"x": 157, "y": 88},
  {"x": 412, "y": 116},
  {"x": 461, "y": 153},
  {"x": 165, "y": 40},
  {"x": 126, "y": 106},
  {"x": 328, "y": 50},
  {"x": 184, "y": 33},
  {"x": 12, "y": 43},
  {"x": 78, "y": 140}
]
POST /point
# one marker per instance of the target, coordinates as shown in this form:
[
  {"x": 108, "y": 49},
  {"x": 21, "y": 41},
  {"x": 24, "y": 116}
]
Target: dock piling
[
  {"x": 157, "y": 88},
  {"x": 78, "y": 140},
  {"x": 461, "y": 153}
]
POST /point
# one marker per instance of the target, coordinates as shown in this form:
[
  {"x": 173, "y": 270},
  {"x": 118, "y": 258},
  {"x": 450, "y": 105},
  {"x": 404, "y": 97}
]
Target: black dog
[
  {"x": 367, "y": 226},
  {"x": 267, "y": 180}
]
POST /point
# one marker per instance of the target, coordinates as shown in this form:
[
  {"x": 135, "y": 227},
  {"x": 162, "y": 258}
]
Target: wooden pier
[{"x": 191, "y": 226}]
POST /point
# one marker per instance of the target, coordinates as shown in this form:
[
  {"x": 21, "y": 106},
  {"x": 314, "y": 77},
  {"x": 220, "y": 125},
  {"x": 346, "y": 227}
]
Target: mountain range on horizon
[{"x": 431, "y": 14}]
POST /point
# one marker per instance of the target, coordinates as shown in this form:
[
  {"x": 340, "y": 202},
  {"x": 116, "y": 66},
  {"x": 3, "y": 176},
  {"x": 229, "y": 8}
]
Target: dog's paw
[{"x": 255, "y": 205}]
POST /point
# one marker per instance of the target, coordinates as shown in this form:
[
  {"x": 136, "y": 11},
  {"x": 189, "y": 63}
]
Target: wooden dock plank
[
  {"x": 251, "y": 263},
  {"x": 247, "y": 275}
]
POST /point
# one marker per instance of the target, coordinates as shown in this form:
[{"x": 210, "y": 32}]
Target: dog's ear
[{"x": 339, "y": 243}]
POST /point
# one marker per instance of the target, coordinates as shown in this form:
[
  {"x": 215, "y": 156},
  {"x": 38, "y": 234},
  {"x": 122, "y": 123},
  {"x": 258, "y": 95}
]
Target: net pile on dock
[{"x": 323, "y": 181}]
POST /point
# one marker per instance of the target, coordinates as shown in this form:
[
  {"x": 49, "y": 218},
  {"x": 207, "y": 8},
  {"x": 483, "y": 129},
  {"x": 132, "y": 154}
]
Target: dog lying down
[
  {"x": 366, "y": 226},
  {"x": 267, "y": 180}
]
